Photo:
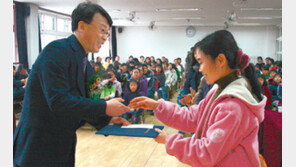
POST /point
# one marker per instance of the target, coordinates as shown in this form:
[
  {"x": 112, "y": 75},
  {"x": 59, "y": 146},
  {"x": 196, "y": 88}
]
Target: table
[
  {"x": 112, "y": 151},
  {"x": 272, "y": 138}
]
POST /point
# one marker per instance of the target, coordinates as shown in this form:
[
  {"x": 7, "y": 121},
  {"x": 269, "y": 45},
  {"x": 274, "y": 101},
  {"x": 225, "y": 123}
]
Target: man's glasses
[{"x": 102, "y": 30}]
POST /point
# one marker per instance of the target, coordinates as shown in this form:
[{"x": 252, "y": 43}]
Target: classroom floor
[
  {"x": 156, "y": 157},
  {"x": 96, "y": 150}
]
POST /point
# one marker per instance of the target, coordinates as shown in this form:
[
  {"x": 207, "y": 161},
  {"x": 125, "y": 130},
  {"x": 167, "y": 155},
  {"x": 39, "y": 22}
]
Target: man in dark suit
[{"x": 55, "y": 102}]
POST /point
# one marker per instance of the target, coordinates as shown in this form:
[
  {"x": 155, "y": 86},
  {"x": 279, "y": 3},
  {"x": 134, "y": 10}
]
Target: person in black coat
[
  {"x": 18, "y": 87},
  {"x": 56, "y": 99}
]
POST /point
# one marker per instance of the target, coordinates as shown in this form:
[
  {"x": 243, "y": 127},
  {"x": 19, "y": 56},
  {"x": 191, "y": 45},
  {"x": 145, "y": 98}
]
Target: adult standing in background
[{"x": 56, "y": 99}]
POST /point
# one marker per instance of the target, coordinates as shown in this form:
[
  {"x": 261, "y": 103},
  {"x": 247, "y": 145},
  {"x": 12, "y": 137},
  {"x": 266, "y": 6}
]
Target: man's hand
[
  {"x": 116, "y": 108},
  {"x": 143, "y": 102},
  {"x": 161, "y": 136},
  {"x": 106, "y": 98},
  {"x": 119, "y": 120}
]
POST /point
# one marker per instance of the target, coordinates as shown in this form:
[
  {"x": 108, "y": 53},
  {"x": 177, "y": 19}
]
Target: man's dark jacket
[{"x": 55, "y": 106}]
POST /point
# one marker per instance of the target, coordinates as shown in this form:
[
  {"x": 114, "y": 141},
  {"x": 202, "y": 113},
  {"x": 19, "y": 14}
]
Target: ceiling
[{"x": 203, "y": 12}]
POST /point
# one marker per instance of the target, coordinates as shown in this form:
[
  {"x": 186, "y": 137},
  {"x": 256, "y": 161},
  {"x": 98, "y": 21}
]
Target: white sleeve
[{"x": 112, "y": 95}]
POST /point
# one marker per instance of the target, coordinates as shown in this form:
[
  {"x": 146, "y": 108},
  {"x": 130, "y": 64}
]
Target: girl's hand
[
  {"x": 161, "y": 137},
  {"x": 143, "y": 102},
  {"x": 186, "y": 100}
]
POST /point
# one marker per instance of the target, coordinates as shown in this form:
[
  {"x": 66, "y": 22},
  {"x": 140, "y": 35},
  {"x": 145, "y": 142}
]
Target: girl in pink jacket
[{"x": 226, "y": 122}]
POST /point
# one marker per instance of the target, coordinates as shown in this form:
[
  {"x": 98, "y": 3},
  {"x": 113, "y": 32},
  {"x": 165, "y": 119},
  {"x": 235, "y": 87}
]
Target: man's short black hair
[{"x": 85, "y": 11}]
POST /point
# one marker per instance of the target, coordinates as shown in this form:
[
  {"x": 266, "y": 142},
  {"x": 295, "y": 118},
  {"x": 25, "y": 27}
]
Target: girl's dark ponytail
[{"x": 251, "y": 75}]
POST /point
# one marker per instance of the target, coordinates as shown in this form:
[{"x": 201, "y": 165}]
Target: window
[
  {"x": 15, "y": 50},
  {"x": 55, "y": 26}
]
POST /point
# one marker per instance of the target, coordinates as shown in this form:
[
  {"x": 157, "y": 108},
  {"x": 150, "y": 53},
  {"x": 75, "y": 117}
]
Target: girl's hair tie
[{"x": 242, "y": 60}]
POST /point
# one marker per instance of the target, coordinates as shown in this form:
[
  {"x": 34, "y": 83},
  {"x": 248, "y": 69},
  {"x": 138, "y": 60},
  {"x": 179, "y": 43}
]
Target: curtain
[
  {"x": 39, "y": 34},
  {"x": 21, "y": 33},
  {"x": 113, "y": 43}
]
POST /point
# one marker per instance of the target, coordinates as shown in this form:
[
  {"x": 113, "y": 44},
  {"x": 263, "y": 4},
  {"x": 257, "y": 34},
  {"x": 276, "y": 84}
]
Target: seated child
[
  {"x": 133, "y": 92},
  {"x": 272, "y": 73},
  {"x": 115, "y": 82},
  {"x": 159, "y": 78},
  {"x": 265, "y": 71},
  {"x": 170, "y": 81},
  {"x": 107, "y": 89},
  {"x": 276, "y": 90},
  {"x": 265, "y": 91}
]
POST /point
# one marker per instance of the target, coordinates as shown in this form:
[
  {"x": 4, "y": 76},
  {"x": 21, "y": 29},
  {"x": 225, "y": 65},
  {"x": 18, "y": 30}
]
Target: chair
[
  {"x": 262, "y": 161},
  {"x": 17, "y": 107}
]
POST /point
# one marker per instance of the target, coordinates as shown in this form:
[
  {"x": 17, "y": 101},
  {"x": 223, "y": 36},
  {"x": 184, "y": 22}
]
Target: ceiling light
[
  {"x": 258, "y": 18},
  {"x": 192, "y": 18},
  {"x": 177, "y": 10},
  {"x": 248, "y": 24},
  {"x": 261, "y": 9}
]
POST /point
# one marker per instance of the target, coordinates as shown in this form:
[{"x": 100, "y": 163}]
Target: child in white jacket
[{"x": 171, "y": 79}]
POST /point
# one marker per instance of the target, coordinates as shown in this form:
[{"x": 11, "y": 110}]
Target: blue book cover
[{"x": 135, "y": 132}]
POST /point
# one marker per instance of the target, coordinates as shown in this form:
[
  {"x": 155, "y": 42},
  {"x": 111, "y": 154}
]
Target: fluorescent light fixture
[
  {"x": 177, "y": 10},
  {"x": 261, "y": 9},
  {"x": 247, "y": 24},
  {"x": 260, "y": 18},
  {"x": 192, "y": 18}
]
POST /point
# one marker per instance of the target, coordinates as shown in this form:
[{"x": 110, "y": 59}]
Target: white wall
[
  {"x": 172, "y": 41},
  {"x": 32, "y": 35}
]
